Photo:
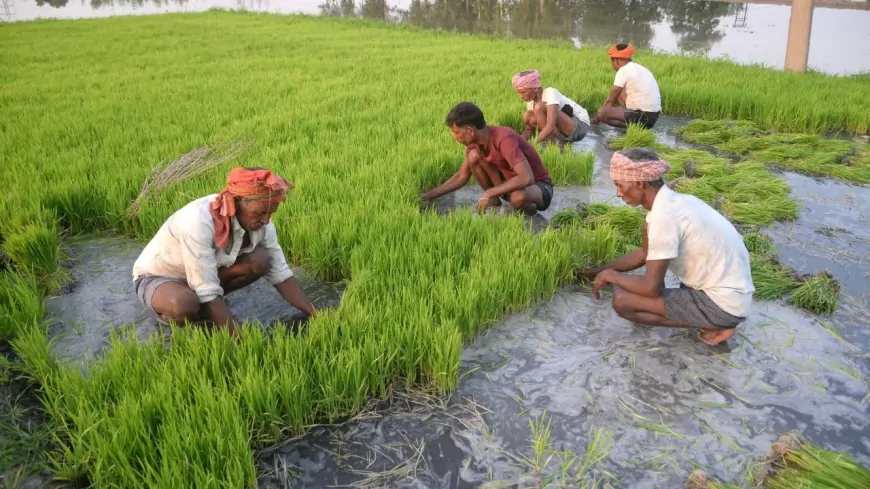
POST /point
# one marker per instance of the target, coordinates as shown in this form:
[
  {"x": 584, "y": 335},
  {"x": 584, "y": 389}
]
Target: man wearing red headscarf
[
  {"x": 635, "y": 88},
  {"x": 215, "y": 245},
  {"x": 682, "y": 234}
]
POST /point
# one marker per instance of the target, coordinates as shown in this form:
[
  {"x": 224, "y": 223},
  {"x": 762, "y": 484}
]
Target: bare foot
[{"x": 714, "y": 336}]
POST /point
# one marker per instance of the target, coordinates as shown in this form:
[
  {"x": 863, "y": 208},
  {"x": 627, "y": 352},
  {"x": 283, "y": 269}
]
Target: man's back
[
  {"x": 709, "y": 253},
  {"x": 507, "y": 147},
  {"x": 642, "y": 90}
]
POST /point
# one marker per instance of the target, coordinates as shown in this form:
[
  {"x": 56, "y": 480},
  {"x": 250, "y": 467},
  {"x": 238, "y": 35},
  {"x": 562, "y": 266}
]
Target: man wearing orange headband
[
  {"x": 686, "y": 236},
  {"x": 635, "y": 88},
  {"x": 215, "y": 245}
]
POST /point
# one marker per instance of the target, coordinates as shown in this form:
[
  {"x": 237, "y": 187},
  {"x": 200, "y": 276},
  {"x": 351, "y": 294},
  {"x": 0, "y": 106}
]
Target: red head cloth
[
  {"x": 626, "y": 53},
  {"x": 251, "y": 184},
  {"x": 526, "y": 79},
  {"x": 624, "y": 169}
]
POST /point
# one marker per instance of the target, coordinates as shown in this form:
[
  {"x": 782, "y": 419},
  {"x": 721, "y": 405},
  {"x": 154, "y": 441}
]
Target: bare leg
[
  {"x": 176, "y": 301},
  {"x": 651, "y": 311},
  {"x": 528, "y": 199},
  {"x": 612, "y": 116},
  {"x": 487, "y": 176},
  {"x": 531, "y": 124}
]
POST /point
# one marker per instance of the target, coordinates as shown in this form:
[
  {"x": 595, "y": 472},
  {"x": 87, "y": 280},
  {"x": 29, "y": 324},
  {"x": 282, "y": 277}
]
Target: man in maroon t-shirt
[{"x": 503, "y": 163}]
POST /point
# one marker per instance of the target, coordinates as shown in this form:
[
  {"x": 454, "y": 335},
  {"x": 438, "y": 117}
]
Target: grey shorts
[
  {"x": 694, "y": 307},
  {"x": 580, "y": 130},
  {"x": 146, "y": 285}
]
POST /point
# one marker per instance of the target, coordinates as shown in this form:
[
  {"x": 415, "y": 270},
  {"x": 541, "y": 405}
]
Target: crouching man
[
  {"x": 686, "y": 236},
  {"x": 213, "y": 246}
]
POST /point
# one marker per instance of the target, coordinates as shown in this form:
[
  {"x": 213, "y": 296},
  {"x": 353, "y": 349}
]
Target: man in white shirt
[
  {"x": 686, "y": 236},
  {"x": 635, "y": 88},
  {"x": 215, "y": 245},
  {"x": 557, "y": 117}
]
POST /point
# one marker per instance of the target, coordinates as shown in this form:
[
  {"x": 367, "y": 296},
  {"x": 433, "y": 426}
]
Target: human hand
[
  {"x": 586, "y": 273},
  {"x": 483, "y": 203},
  {"x": 424, "y": 198},
  {"x": 603, "y": 278}
]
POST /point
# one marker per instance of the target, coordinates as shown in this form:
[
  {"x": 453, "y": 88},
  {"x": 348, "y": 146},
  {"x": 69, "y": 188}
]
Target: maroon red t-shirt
[{"x": 507, "y": 148}]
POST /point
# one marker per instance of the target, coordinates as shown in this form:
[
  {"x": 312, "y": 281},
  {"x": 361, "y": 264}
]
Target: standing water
[{"x": 753, "y": 33}]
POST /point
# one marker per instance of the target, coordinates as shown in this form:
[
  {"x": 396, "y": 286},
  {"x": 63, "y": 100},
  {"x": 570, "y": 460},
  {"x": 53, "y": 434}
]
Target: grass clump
[{"x": 568, "y": 167}]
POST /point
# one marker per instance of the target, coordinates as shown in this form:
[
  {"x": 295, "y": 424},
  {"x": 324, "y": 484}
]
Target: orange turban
[
  {"x": 626, "y": 53},
  {"x": 251, "y": 184}
]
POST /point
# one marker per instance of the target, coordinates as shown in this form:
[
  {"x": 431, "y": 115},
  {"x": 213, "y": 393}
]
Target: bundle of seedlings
[
  {"x": 636, "y": 136},
  {"x": 792, "y": 463},
  {"x": 187, "y": 166},
  {"x": 807, "y": 153}
]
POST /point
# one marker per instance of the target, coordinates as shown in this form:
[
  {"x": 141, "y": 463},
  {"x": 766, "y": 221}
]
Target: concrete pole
[{"x": 798, "y": 48}]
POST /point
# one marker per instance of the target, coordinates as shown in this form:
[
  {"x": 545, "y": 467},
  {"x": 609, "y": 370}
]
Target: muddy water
[{"x": 745, "y": 32}]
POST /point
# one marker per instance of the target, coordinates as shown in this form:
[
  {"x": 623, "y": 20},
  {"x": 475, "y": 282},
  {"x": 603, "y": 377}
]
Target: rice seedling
[
  {"x": 568, "y": 166},
  {"x": 419, "y": 284},
  {"x": 794, "y": 463},
  {"x": 819, "y": 293},
  {"x": 636, "y": 136},
  {"x": 808, "y": 153},
  {"x": 771, "y": 280}
]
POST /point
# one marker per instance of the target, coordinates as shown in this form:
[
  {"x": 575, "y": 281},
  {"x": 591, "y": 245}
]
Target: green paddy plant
[
  {"x": 636, "y": 136},
  {"x": 418, "y": 284},
  {"x": 568, "y": 166},
  {"x": 806, "y": 465}
]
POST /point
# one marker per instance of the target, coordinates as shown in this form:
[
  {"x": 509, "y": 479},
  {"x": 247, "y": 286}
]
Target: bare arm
[
  {"x": 613, "y": 97},
  {"x": 546, "y": 113},
  {"x": 649, "y": 284},
  {"x": 454, "y": 183},
  {"x": 523, "y": 179},
  {"x": 626, "y": 263},
  {"x": 292, "y": 292},
  {"x": 218, "y": 311}
]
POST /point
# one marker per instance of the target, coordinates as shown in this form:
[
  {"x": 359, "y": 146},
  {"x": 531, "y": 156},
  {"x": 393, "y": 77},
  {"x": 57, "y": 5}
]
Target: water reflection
[{"x": 600, "y": 22}]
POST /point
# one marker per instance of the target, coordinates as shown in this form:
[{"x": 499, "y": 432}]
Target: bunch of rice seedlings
[
  {"x": 636, "y": 136},
  {"x": 716, "y": 132},
  {"x": 759, "y": 245},
  {"x": 820, "y": 293},
  {"x": 771, "y": 279},
  {"x": 746, "y": 193},
  {"x": 36, "y": 250},
  {"x": 566, "y": 218},
  {"x": 189, "y": 165},
  {"x": 567, "y": 166},
  {"x": 794, "y": 463}
]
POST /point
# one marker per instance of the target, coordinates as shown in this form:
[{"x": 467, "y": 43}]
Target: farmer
[
  {"x": 635, "y": 88},
  {"x": 213, "y": 246},
  {"x": 504, "y": 164},
  {"x": 686, "y": 236},
  {"x": 557, "y": 117}
]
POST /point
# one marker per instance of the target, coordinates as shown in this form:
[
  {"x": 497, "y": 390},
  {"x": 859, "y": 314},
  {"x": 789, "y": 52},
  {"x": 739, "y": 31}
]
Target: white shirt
[
  {"x": 551, "y": 96},
  {"x": 641, "y": 88},
  {"x": 704, "y": 249},
  {"x": 184, "y": 248}
]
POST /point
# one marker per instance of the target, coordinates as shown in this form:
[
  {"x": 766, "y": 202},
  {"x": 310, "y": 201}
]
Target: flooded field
[
  {"x": 621, "y": 404},
  {"x": 744, "y": 32}
]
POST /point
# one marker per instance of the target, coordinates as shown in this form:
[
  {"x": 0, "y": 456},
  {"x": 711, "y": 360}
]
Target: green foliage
[
  {"x": 359, "y": 138},
  {"x": 809, "y": 153},
  {"x": 819, "y": 293}
]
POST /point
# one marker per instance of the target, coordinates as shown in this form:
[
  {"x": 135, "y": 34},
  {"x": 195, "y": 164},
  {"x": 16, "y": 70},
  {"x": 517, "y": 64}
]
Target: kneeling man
[
  {"x": 686, "y": 236},
  {"x": 215, "y": 245},
  {"x": 505, "y": 165}
]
